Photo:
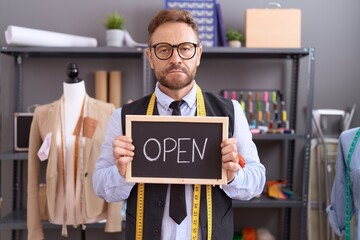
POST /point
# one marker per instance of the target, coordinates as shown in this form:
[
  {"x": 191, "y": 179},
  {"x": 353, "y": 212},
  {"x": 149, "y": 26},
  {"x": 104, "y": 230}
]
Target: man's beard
[{"x": 174, "y": 83}]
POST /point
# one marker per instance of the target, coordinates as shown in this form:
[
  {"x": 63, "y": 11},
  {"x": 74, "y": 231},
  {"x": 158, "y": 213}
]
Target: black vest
[{"x": 155, "y": 194}]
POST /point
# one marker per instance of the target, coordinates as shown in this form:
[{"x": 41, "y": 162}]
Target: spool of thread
[
  {"x": 225, "y": 94},
  {"x": 266, "y": 96},
  {"x": 233, "y": 95}
]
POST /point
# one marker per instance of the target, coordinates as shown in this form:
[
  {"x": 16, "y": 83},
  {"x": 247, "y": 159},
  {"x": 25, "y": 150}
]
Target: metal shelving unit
[{"x": 17, "y": 219}]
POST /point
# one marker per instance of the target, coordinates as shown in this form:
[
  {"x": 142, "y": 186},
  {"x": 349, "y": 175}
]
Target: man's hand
[
  {"x": 230, "y": 157},
  {"x": 123, "y": 151}
]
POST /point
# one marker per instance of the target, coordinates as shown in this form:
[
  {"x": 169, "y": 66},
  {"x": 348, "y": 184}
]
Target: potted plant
[
  {"x": 234, "y": 38},
  {"x": 114, "y": 25}
]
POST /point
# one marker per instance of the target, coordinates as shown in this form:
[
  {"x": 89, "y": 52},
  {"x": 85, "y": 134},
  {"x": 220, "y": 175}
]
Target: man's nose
[{"x": 175, "y": 55}]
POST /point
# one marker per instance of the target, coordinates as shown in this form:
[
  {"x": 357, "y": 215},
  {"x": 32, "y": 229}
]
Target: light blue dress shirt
[
  {"x": 248, "y": 183},
  {"x": 336, "y": 209}
]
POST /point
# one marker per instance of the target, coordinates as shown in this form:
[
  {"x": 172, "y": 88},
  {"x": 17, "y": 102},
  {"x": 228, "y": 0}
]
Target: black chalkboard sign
[{"x": 176, "y": 149}]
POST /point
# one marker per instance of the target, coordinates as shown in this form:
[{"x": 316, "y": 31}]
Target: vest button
[
  {"x": 156, "y": 231},
  {"x": 160, "y": 204}
]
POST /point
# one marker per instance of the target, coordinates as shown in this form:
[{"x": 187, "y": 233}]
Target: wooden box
[{"x": 273, "y": 28}]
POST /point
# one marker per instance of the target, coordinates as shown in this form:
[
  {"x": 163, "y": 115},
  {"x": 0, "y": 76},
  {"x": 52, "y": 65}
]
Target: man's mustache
[{"x": 176, "y": 67}]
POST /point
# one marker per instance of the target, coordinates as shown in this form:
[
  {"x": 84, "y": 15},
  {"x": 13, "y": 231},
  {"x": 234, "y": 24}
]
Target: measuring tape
[
  {"x": 141, "y": 186},
  {"x": 140, "y": 211},
  {"x": 196, "y": 212},
  {"x": 209, "y": 209},
  {"x": 348, "y": 183},
  {"x": 201, "y": 111}
]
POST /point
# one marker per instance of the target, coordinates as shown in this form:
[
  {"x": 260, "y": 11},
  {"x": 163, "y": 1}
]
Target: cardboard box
[{"x": 273, "y": 28}]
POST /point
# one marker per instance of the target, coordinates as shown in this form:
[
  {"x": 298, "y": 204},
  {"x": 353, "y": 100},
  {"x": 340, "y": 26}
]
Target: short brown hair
[{"x": 172, "y": 15}]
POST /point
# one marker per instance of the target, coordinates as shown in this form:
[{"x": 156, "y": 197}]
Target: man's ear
[
  {"x": 149, "y": 58},
  {"x": 198, "y": 55}
]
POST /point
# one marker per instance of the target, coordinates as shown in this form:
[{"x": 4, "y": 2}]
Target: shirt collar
[{"x": 165, "y": 101}]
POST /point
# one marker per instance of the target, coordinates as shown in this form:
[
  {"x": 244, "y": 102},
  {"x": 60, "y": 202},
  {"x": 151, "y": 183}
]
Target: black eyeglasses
[{"x": 185, "y": 50}]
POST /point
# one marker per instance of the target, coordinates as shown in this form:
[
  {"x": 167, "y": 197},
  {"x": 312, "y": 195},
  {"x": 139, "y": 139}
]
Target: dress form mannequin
[
  {"x": 73, "y": 106},
  {"x": 74, "y": 93},
  {"x": 66, "y": 203}
]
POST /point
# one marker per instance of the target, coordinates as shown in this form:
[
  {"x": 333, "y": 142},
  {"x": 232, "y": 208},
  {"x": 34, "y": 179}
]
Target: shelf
[
  {"x": 17, "y": 221},
  {"x": 273, "y": 137},
  {"x": 249, "y": 53},
  {"x": 13, "y": 156},
  {"x": 126, "y": 52},
  {"x": 266, "y": 202},
  {"x": 75, "y": 52},
  {"x": 14, "y": 220}
]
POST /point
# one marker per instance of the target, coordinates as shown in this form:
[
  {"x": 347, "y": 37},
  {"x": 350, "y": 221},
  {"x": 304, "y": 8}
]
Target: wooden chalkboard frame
[{"x": 219, "y": 122}]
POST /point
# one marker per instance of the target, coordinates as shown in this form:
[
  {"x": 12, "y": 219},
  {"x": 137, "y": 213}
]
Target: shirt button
[
  {"x": 156, "y": 231},
  {"x": 160, "y": 204},
  {"x": 86, "y": 174}
]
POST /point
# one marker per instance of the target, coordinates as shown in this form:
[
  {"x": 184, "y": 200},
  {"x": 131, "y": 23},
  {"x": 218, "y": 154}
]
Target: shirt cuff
[
  {"x": 119, "y": 180},
  {"x": 236, "y": 181}
]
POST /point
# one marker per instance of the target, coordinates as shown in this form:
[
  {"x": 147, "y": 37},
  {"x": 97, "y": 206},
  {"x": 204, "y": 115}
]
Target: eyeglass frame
[{"x": 177, "y": 49}]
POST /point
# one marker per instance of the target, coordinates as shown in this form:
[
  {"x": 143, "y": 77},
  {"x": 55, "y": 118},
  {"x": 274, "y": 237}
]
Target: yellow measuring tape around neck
[{"x": 201, "y": 111}]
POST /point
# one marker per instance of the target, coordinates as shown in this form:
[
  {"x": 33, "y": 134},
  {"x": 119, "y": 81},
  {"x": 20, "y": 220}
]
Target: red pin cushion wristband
[{"x": 241, "y": 161}]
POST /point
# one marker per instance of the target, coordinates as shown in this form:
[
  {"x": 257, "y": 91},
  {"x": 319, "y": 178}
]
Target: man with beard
[{"x": 174, "y": 53}]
